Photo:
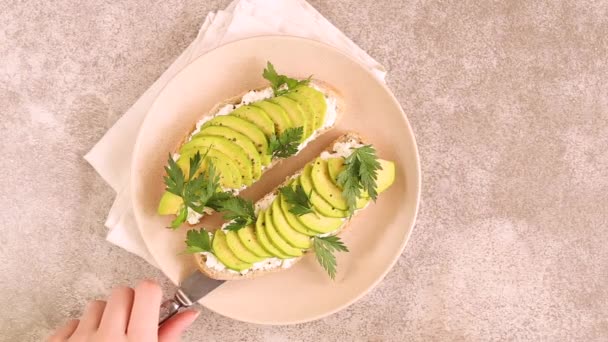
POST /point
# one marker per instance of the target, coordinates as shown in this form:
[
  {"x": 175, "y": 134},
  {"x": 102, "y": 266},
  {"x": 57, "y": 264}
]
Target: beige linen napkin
[{"x": 111, "y": 156}]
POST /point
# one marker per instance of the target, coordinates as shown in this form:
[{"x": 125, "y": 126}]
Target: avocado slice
[
  {"x": 321, "y": 205},
  {"x": 317, "y": 101},
  {"x": 276, "y": 239},
  {"x": 260, "y": 230},
  {"x": 294, "y": 112},
  {"x": 257, "y": 117},
  {"x": 289, "y": 234},
  {"x": 386, "y": 176},
  {"x": 325, "y": 187},
  {"x": 229, "y": 148},
  {"x": 276, "y": 114},
  {"x": 243, "y": 141},
  {"x": 169, "y": 204},
  {"x": 250, "y": 240},
  {"x": 223, "y": 253},
  {"x": 330, "y": 192},
  {"x": 293, "y": 221},
  {"x": 238, "y": 249},
  {"x": 335, "y": 166},
  {"x": 320, "y": 223},
  {"x": 309, "y": 112},
  {"x": 246, "y": 128},
  {"x": 229, "y": 174}
]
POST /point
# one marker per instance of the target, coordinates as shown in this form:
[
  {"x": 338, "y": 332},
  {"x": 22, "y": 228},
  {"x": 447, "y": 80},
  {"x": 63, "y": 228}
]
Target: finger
[
  {"x": 91, "y": 317},
  {"x": 172, "y": 330},
  {"x": 116, "y": 316},
  {"x": 146, "y": 308},
  {"x": 64, "y": 332}
]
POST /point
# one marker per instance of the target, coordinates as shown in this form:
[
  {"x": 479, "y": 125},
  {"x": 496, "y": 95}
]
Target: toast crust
[{"x": 200, "y": 259}]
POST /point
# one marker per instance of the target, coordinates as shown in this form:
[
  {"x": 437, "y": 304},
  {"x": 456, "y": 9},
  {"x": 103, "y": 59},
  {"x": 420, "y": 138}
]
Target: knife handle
[
  {"x": 172, "y": 306},
  {"x": 167, "y": 310}
]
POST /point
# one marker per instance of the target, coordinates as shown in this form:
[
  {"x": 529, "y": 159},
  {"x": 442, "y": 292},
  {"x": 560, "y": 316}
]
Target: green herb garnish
[
  {"x": 324, "y": 248},
  {"x": 359, "y": 174},
  {"x": 197, "y": 241},
  {"x": 281, "y": 84},
  {"x": 285, "y": 144},
  {"x": 195, "y": 190},
  {"x": 299, "y": 200},
  {"x": 238, "y": 211}
]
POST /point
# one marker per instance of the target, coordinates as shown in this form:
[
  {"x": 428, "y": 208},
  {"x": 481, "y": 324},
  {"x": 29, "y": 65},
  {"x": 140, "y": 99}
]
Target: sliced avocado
[
  {"x": 238, "y": 249},
  {"x": 229, "y": 148},
  {"x": 169, "y": 204},
  {"x": 230, "y": 176},
  {"x": 276, "y": 114},
  {"x": 309, "y": 112},
  {"x": 257, "y": 117},
  {"x": 240, "y": 139},
  {"x": 246, "y": 128},
  {"x": 321, "y": 205},
  {"x": 361, "y": 201},
  {"x": 224, "y": 254},
  {"x": 317, "y": 101},
  {"x": 260, "y": 230},
  {"x": 250, "y": 240},
  {"x": 335, "y": 166},
  {"x": 289, "y": 234},
  {"x": 294, "y": 112},
  {"x": 386, "y": 176},
  {"x": 276, "y": 239},
  {"x": 325, "y": 187},
  {"x": 320, "y": 223},
  {"x": 293, "y": 221}
]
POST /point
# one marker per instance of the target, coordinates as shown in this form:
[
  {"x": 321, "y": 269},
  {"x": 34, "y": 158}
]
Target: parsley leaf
[
  {"x": 197, "y": 241},
  {"x": 324, "y": 248},
  {"x": 359, "y": 174},
  {"x": 174, "y": 180},
  {"x": 196, "y": 190},
  {"x": 285, "y": 144},
  {"x": 299, "y": 200},
  {"x": 238, "y": 211},
  {"x": 281, "y": 84},
  {"x": 215, "y": 202}
]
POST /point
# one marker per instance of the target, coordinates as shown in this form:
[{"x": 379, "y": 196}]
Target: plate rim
[{"x": 418, "y": 182}]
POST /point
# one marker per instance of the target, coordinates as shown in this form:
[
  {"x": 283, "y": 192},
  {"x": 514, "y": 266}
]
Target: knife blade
[{"x": 193, "y": 288}]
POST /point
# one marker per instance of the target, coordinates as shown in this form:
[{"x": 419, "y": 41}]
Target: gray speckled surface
[{"x": 509, "y": 102}]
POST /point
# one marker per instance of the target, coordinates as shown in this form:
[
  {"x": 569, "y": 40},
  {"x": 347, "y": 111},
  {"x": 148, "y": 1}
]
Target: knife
[{"x": 195, "y": 287}]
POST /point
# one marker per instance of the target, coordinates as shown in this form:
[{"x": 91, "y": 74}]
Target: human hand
[{"x": 128, "y": 315}]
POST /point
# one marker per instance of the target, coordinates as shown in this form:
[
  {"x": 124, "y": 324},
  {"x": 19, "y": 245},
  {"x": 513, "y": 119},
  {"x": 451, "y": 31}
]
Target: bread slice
[
  {"x": 324, "y": 87},
  {"x": 233, "y": 275}
]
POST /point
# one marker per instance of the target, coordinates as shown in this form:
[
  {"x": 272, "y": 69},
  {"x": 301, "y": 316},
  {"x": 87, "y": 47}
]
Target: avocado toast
[
  {"x": 245, "y": 136},
  {"x": 305, "y": 213}
]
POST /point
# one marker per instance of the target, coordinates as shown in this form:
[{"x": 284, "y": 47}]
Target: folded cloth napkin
[{"x": 111, "y": 156}]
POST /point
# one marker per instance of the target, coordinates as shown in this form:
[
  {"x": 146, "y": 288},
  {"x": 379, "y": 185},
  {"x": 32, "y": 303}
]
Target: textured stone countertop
[{"x": 509, "y": 103}]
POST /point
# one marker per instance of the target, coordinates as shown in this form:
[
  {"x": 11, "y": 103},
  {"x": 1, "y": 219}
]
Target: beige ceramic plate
[{"x": 376, "y": 237}]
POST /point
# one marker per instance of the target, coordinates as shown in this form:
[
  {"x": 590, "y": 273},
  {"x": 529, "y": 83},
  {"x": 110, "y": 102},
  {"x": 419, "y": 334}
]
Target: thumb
[{"x": 172, "y": 330}]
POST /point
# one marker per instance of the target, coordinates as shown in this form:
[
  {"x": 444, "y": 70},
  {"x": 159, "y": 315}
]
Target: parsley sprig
[
  {"x": 238, "y": 211},
  {"x": 196, "y": 190},
  {"x": 298, "y": 198},
  {"x": 281, "y": 84},
  {"x": 324, "y": 248},
  {"x": 285, "y": 144},
  {"x": 359, "y": 174},
  {"x": 197, "y": 241}
]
